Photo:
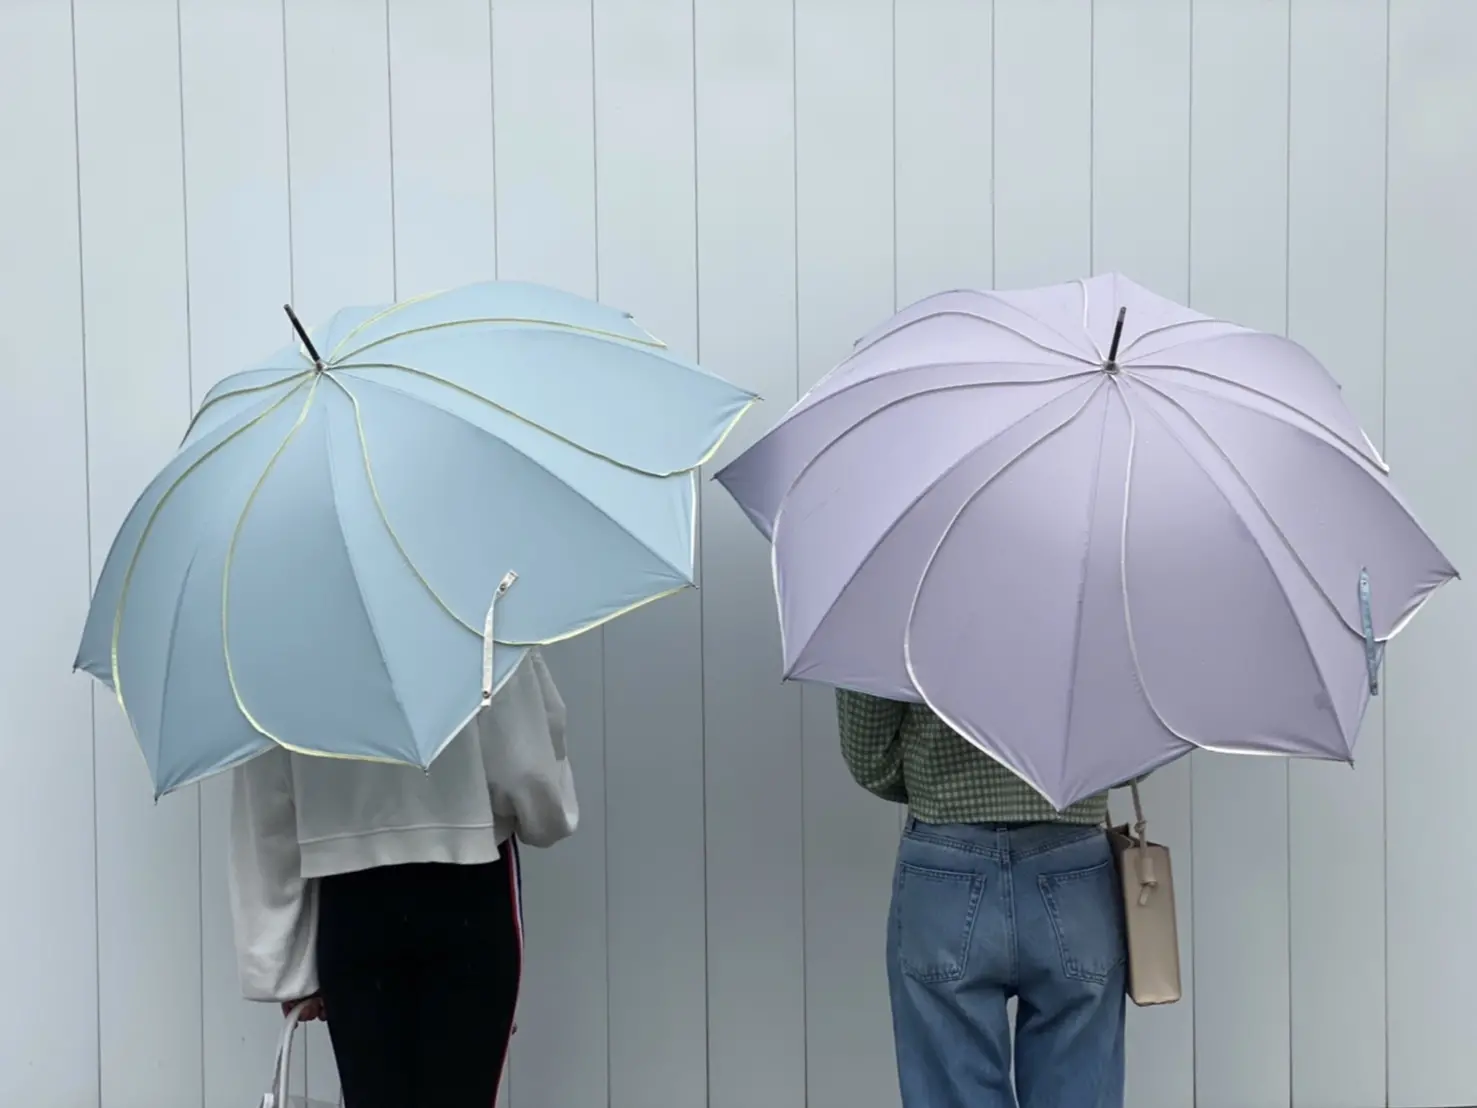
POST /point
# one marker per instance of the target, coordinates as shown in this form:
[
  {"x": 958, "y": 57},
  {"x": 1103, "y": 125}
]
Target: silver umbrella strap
[
  {"x": 1373, "y": 651},
  {"x": 488, "y": 645}
]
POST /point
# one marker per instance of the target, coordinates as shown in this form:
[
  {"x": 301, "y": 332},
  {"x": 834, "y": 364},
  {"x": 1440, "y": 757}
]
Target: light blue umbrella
[{"x": 317, "y": 566}]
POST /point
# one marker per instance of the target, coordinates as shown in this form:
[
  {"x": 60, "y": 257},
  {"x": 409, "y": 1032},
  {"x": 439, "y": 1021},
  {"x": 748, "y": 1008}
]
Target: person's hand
[{"x": 312, "y": 1009}]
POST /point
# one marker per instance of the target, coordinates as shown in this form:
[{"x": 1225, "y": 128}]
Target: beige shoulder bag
[{"x": 1148, "y": 912}]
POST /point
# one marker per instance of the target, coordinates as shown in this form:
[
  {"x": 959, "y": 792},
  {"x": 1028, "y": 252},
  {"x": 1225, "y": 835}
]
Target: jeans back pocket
[
  {"x": 1086, "y": 911},
  {"x": 933, "y": 914}
]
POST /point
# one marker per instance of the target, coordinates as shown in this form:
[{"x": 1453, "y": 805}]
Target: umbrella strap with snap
[{"x": 489, "y": 646}]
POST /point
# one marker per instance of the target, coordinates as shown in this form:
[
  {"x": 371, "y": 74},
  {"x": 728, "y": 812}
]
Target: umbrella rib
[
  {"x": 126, "y": 585},
  {"x": 293, "y": 377},
  {"x": 388, "y": 310},
  {"x": 510, "y": 412},
  {"x": 246, "y": 713},
  {"x": 800, "y": 405},
  {"x": 1133, "y": 372},
  {"x": 1133, "y": 649},
  {"x": 552, "y": 324},
  {"x": 1308, "y": 573},
  {"x": 379, "y": 506},
  {"x": 1123, "y": 355},
  {"x": 174, "y": 622},
  {"x": 534, "y": 462},
  {"x": 1082, "y": 586},
  {"x": 908, "y": 663},
  {"x": 939, "y": 314},
  {"x": 1281, "y": 586},
  {"x": 779, "y": 514}
]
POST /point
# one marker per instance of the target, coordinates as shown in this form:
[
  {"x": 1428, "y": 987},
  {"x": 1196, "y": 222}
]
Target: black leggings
[{"x": 419, "y": 967}]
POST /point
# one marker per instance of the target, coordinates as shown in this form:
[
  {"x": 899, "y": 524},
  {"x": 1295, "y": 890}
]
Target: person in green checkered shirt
[{"x": 997, "y": 895}]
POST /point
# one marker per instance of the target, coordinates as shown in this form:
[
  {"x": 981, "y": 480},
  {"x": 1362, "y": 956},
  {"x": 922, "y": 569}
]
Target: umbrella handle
[{"x": 487, "y": 641}]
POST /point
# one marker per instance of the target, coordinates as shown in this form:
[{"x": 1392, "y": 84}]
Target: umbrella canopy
[
  {"x": 1092, "y": 529},
  {"x": 316, "y": 566}
]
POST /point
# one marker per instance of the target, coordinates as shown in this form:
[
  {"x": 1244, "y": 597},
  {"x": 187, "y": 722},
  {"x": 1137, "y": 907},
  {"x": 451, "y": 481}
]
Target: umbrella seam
[
  {"x": 1134, "y": 374},
  {"x": 652, "y": 343},
  {"x": 1307, "y": 572},
  {"x": 941, "y": 313},
  {"x": 1281, "y": 586},
  {"x": 126, "y": 584},
  {"x": 534, "y": 462},
  {"x": 241, "y": 705},
  {"x": 967, "y": 456},
  {"x": 427, "y": 375},
  {"x": 999, "y": 756},
  {"x": 684, "y": 575}
]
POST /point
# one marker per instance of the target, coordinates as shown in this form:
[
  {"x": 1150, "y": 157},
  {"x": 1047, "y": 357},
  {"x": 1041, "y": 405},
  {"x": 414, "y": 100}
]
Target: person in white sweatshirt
[{"x": 388, "y": 897}]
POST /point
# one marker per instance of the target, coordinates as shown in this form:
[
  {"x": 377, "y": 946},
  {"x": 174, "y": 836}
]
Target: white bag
[{"x": 278, "y": 1096}]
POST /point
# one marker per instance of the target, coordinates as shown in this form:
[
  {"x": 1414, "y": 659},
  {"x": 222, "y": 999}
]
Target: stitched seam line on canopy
[
  {"x": 427, "y": 375},
  {"x": 1261, "y": 505},
  {"x": 1359, "y": 455},
  {"x": 144, "y": 533},
  {"x": 999, "y": 755},
  {"x": 535, "y": 463},
  {"x": 256, "y": 489},
  {"x": 962, "y": 460},
  {"x": 1075, "y": 356},
  {"x": 1281, "y": 586},
  {"x": 533, "y": 321},
  {"x": 294, "y": 376}
]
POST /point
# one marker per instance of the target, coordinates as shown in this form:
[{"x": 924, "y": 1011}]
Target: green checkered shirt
[{"x": 903, "y": 752}]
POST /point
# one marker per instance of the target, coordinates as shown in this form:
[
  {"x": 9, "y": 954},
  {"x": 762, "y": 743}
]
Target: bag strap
[
  {"x": 282, "y": 1074},
  {"x": 1148, "y": 879}
]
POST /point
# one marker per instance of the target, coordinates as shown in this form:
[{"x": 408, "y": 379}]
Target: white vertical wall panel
[
  {"x": 747, "y": 321},
  {"x": 235, "y": 174},
  {"x": 544, "y": 118},
  {"x": 441, "y": 151},
  {"x": 138, "y": 403},
  {"x": 48, "y": 956},
  {"x": 1431, "y": 398},
  {"x": 338, "y": 102},
  {"x": 1238, "y": 269},
  {"x": 943, "y": 138},
  {"x": 440, "y": 89},
  {"x": 645, "y": 165},
  {"x": 1043, "y": 141},
  {"x": 1336, "y": 288},
  {"x": 1141, "y": 228},
  {"x": 846, "y": 283}
]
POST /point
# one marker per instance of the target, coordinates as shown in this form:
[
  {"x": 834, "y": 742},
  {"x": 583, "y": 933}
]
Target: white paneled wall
[{"x": 759, "y": 182}]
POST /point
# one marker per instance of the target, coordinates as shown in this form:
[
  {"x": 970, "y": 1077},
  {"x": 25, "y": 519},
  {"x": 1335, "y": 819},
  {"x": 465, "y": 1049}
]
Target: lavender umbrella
[{"x": 1092, "y": 529}]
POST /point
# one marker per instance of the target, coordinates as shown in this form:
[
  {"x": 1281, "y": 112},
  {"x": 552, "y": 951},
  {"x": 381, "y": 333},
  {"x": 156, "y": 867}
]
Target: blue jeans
[{"x": 985, "y": 912}]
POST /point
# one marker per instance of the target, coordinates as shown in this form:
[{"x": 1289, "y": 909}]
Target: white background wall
[{"x": 760, "y": 181}]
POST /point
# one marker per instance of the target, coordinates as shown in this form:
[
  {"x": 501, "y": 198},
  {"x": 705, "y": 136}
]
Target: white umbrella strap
[{"x": 488, "y": 644}]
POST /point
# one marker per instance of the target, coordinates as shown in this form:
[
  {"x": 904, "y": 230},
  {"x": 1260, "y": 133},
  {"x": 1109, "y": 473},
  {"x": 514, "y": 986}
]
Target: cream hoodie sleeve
[
  {"x": 523, "y": 751},
  {"x": 273, "y": 909}
]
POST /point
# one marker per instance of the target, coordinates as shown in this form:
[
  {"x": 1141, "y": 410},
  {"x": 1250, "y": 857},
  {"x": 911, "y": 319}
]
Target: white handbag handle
[{"x": 282, "y": 1075}]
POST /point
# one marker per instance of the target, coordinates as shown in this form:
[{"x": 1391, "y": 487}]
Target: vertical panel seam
[
  {"x": 799, "y": 699},
  {"x": 1287, "y": 330},
  {"x": 1385, "y": 448},
  {"x": 604, "y": 684},
  {"x": 1189, "y": 299},
  {"x": 702, "y": 605},
  {"x": 994, "y": 130},
  {"x": 179, "y": 42},
  {"x": 492, "y": 119},
  {"x": 97, "y": 956},
  {"x": 390, "y": 138}
]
